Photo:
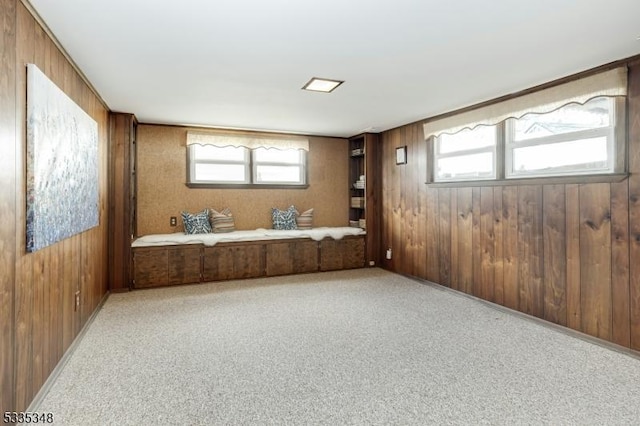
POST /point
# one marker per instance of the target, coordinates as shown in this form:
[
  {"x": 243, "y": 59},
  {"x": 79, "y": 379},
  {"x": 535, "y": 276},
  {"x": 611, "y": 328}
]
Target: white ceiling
[{"x": 242, "y": 63}]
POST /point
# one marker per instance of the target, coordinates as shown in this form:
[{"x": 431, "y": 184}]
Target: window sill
[
  {"x": 243, "y": 186},
  {"x": 551, "y": 180}
]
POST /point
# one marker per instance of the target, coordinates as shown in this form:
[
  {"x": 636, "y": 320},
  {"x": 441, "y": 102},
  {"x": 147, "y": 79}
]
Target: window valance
[
  {"x": 609, "y": 83},
  {"x": 245, "y": 140}
]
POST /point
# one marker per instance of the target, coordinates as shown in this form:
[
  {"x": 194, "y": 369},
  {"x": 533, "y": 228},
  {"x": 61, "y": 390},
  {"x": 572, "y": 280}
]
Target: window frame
[
  {"x": 302, "y": 164},
  {"x": 250, "y": 174},
  {"x": 192, "y": 162},
  {"x": 619, "y": 146},
  {"x": 611, "y": 132},
  {"x": 493, "y": 149}
]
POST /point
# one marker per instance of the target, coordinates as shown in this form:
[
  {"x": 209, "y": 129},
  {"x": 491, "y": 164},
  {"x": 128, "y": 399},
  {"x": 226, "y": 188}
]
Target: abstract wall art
[{"x": 62, "y": 165}]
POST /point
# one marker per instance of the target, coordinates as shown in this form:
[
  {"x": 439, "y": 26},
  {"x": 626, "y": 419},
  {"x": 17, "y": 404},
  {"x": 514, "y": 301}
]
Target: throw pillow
[
  {"x": 284, "y": 219},
  {"x": 196, "y": 223},
  {"x": 305, "y": 220},
  {"x": 222, "y": 221}
]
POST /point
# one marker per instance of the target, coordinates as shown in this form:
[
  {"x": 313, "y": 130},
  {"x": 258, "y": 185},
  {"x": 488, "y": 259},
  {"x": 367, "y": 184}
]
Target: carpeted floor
[{"x": 351, "y": 347}]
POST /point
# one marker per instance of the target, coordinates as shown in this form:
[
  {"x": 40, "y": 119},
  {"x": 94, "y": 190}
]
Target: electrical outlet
[
  {"x": 173, "y": 221},
  {"x": 372, "y": 263},
  {"x": 389, "y": 253},
  {"x": 77, "y": 301}
]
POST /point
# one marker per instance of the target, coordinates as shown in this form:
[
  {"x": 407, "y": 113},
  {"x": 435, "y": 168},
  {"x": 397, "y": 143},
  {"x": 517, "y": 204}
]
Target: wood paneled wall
[
  {"x": 7, "y": 199},
  {"x": 38, "y": 318},
  {"x": 162, "y": 192},
  {"x": 566, "y": 253}
]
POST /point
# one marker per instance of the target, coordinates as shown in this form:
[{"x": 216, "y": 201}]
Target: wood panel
[
  {"x": 7, "y": 199},
  {"x": 634, "y": 203},
  {"x": 411, "y": 253},
  {"x": 465, "y": 240},
  {"x": 346, "y": 253},
  {"x": 498, "y": 258},
  {"x": 444, "y": 234},
  {"x": 122, "y": 137},
  {"x": 184, "y": 265},
  {"x": 420, "y": 147},
  {"x": 279, "y": 259},
  {"x": 373, "y": 194},
  {"x": 453, "y": 223},
  {"x": 24, "y": 306},
  {"x": 433, "y": 258},
  {"x": 620, "y": 264},
  {"x": 572, "y": 238},
  {"x": 595, "y": 259},
  {"x": 233, "y": 261},
  {"x": 398, "y": 225},
  {"x": 510, "y": 219},
  {"x": 530, "y": 261},
  {"x": 486, "y": 245},
  {"x": 291, "y": 257},
  {"x": 45, "y": 318},
  {"x": 217, "y": 263},
  {"x": 555, "y": 264},
  {"x": 476, "y": 247},
  {"x": 151, "y": 267},
  {"x": 248, "y": 261}
]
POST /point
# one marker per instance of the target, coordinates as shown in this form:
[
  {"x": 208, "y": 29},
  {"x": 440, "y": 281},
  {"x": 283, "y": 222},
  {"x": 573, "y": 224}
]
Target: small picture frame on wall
[{"x": 401, "y": 155}]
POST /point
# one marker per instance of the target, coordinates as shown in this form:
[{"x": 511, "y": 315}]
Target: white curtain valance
[
  {"x": 608, "y": 83},
  {"x": 248, "y": 141}
]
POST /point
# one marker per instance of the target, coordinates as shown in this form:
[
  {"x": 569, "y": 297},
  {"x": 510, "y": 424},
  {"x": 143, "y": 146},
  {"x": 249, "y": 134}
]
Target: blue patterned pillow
[
  {"x": 197, "y": 223},
  {"x": 284, "y": 219}
]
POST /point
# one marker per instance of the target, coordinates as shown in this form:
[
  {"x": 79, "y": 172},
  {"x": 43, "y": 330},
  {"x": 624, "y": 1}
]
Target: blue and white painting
[{"x": 62, "y": 164}]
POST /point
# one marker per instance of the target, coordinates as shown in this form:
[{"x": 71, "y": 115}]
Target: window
[
  {"x": 212, "y": 164},
  {"x": 572, "y": 129},
  {"x": 575, "y": 139},
  {"x": 281, "y": 167},
  {"x": 468, "y": 154},
  {"x": 231, "y": 165}
]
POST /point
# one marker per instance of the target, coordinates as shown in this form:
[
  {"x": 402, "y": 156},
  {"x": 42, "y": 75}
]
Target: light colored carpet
[{"x": 351, "y": 347}]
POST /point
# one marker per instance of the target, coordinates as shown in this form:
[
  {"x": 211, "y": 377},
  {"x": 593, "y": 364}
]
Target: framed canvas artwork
[{"x": 62, "y": 165}]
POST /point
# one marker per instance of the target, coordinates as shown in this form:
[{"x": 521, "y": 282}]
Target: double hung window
[
  {"x": 468, "y": 154},
  {"x": 575, "y": 139}
]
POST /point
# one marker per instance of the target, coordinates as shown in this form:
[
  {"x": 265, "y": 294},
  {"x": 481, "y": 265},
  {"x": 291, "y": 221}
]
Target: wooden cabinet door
[
  {"x": 248, "y": 261},
  {"x": 150, "y": 267},
  {"x": 278, "y": 259},
  {"x": 217, "y": 263},
  {"x": 305, "y": 256},
  {"x": 342, "y": 254},
  {"x": 291, "y": 257},
  {"x": 353, "y": 252},
  {"x": 184, "y": 265},
  {"x": 233, "y": 261}
]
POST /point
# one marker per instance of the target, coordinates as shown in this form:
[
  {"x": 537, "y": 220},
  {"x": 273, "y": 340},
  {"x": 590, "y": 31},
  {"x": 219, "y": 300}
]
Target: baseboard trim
[{"x": 46, "y": 387}]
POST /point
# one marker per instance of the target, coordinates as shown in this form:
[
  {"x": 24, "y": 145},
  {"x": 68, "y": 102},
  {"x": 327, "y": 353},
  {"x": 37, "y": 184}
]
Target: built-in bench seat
[{"x": 171, "y": 259}]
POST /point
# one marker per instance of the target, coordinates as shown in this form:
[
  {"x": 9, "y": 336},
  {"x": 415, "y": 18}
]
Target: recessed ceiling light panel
[{"x": 322, "y": 85}]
